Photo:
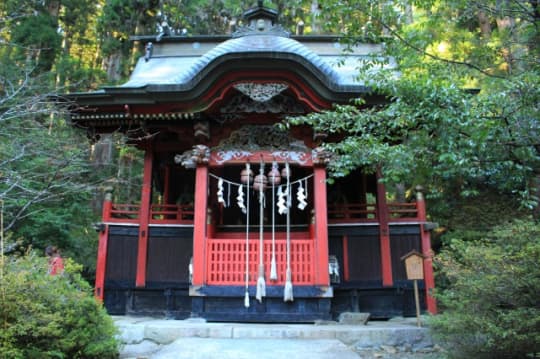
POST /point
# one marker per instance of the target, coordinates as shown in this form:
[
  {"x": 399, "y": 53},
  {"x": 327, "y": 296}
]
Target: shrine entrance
[{"x": 215, "y": 233}]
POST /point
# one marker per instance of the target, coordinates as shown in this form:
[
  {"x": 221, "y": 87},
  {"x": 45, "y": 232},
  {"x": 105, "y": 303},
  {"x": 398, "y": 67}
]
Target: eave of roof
[{"x": 171, "y": 76}]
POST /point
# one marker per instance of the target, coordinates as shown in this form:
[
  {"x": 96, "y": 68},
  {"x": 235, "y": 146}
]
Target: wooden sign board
[{"x": 414, "y": 265}]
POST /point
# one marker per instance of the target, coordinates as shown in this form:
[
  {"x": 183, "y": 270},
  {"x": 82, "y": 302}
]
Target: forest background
[{"x": 463, "y": 121}]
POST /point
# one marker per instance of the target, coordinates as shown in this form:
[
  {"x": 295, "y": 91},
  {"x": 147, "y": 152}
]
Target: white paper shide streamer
[
  {"x": 301, "y": 197},
  {"x": 220, "y": 197},
  {"x": 240, "y": 199},
  {"x": 282, "y": 207}
]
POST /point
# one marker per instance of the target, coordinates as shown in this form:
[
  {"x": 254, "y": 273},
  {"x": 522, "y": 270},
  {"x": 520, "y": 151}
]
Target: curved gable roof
[{"x": 182, "y": 72}]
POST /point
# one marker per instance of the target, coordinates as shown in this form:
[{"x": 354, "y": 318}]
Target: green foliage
[
  {"x": 73, "y": 74},
  {"x": 46, "y": 179},
  {"x": 201, "y": 17},
  {"x": 45, "y": 316},
  {"x": 491, "y": 308},
  {"x": 434, "y": 130}
]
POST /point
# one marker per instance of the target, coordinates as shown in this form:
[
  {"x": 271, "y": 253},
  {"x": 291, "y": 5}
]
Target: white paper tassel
[
  {"x": 261, "y": 285},
  {"x": 273, "y": 268},
  {"x": 288, "y": 291},
  {"x": 246, "y": 299}
]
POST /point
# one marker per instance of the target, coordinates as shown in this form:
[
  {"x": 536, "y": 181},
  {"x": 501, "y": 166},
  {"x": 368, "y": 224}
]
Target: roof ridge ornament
[
  {"x": 257, "y": 29},
  {"x": 261, "y": 20},
  {"x": 261, "y": 92}
]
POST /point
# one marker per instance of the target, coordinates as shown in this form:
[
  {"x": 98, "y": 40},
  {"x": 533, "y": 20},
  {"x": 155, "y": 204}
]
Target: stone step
[{"x": 136, "y": 330}]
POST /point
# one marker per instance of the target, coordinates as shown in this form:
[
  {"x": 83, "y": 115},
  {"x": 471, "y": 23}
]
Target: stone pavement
[{"x": 195, "y": 339}]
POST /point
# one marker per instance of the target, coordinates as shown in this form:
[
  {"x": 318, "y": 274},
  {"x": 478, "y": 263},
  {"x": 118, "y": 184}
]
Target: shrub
[
  {"x": 491, "y": 308},
  {"x": 43, "y": 316}
]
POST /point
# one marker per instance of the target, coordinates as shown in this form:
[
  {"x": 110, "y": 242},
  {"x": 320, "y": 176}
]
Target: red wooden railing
[
  {"x": 359, "y": 212},
  {"x": 226, "y": 263},
  {"x": 351, "y": 212},
  {"x": 159, "y": 213},
  {"x": 340, "y": 213},
  {"x": 403, "y": 212}
]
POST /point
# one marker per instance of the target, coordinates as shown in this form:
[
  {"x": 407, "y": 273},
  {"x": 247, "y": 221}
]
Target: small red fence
[
  {"x": 159, "y": 213},
  {"x": 368, "y": 213},
  {"x": 342, "y": 213},
  {"x": 227, "y": 261},
  {"x": 352, "y": 212}
]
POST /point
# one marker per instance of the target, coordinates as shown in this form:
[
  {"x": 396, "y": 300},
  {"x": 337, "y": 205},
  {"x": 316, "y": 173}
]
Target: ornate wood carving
[
  {"x": 254, "y": 29},
  {"x": 277, "y": 104},
  {"x": 261, "y": 92},
  {"x": 257, "y": 138},
  {"x": 199, "y": 154},
  {"x": 201, "y": 130},
  {"x": 321, "y": 156},
  {"x": 221, "y": 157}
]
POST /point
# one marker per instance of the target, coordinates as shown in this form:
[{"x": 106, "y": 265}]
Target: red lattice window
[{"x": 226, "y": 261}]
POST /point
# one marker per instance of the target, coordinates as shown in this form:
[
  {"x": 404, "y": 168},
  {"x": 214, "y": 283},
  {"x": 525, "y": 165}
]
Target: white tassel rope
[
  {"x": 261, "y": 284},
  {"x": 288, "y": 290},
  {"x": 246, "y": 296},
  {"x": 273, "y": 266}
]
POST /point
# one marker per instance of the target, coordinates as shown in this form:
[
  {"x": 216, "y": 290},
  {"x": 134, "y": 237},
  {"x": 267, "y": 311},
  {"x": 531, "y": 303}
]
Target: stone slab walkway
[{"x": 151, "y": 338}]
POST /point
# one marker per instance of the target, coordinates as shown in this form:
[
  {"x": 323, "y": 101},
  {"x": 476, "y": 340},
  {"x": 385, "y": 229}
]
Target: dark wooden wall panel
[
  {"x": 401, "y": 244},
  {"x": 169, "y": 252},
  {"x": 364, "y": 258},
  {"x": 121, "y": 259},
  {"x": 168, "y": 259}
]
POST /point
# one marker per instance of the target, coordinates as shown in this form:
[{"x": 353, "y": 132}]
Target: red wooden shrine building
[{"x": 236, "y": 221}]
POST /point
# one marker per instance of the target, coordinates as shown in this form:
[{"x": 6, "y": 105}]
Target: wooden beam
[
  {"x": 429, "y": 281},
  {"x": 322, "y": 276},
  {"x": 144, "y": 219},
  {"x": 384, "y": 233},
  {"x": 199, "y": 225},
  {"x": 101, "y": 265}
]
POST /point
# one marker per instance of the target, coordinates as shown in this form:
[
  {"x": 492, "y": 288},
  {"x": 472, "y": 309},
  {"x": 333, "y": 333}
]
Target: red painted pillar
[
  {"x": 429, "y": 280},
  {"x": 384, "y": 233},
  {"x": 144, "y": 218},
  {"x": 322, "y": 276},
  {"x": 199, "y": 224},
  {"x": 107, "y": 207},
  {"x": 101, "y": 265}
]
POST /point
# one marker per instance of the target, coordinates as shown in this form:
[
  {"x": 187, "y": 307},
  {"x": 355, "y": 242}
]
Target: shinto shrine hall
[{"x": 236, "y": 220}]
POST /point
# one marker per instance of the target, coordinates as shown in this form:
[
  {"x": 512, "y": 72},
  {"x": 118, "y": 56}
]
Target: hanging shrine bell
[
  {"x": 260, "y": 182},
  {"x": 246, "y": 176},
  {"x": 274, "y": 176}
]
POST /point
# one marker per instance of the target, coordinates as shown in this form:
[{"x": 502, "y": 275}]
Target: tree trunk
[
  {"x": 102, "y": 153},
  {"x": 409, "y": 17},
  {"x": 315, "y": 12},
  {"x": 534, "y": 186},
  {"x": 485, "y": 26},
  {"x": 506, "y": 24},
  {"x": 113, "y": 66}
]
